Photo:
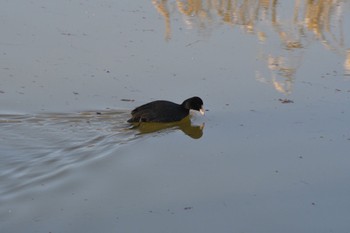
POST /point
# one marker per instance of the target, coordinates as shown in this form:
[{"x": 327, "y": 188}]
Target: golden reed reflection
[{"x": 296, "y": 25}]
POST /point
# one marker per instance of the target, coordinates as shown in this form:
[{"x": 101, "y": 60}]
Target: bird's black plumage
[{"x": 165, "y": 111}]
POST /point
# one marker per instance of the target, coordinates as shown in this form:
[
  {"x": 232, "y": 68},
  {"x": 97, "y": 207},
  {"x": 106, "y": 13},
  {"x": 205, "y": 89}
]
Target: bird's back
[{"x": 158, "y": 111}]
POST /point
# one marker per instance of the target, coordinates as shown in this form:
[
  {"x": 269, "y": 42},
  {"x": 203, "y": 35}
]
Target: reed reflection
[
  {"x": 186, "y": 126},
  {"x": 347, "y": 63},
  {"x": 295, "y": 27}
]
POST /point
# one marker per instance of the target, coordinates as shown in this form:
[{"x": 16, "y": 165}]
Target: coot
[{"x": 166, "y": 111}]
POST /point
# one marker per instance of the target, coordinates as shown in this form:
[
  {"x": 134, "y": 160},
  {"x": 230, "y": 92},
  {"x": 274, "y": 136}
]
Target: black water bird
[{"x": 165, "y": 111}]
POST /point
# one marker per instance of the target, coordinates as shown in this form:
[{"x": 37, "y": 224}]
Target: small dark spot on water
[
  {"x": 171, "y": 212},
  {"x": 128, "y": 100},
  {"x": 188, "y": 208},
  {"x": 2, "y": 92},
  {"x": 75, "y": 93},
  {"x": 66, "y": 34},
  {"x": 313, "y": 203},
  {"x": 286, "y": 101},
  {"x": 98, "y": 113}
]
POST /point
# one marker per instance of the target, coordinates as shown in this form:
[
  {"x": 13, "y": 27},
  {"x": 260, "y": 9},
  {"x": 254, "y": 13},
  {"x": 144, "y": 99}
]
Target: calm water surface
[{"x": 271, "y": 154}]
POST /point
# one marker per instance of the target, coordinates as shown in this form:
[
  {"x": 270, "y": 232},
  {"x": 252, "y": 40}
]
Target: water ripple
[{"x": 35, "y": 148}]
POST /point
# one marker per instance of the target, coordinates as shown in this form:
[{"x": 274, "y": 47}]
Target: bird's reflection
[{"x": 186, "y": 126}]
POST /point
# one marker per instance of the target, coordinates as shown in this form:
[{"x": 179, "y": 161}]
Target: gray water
[
  {"x": 270, "y": 155},
  {"x": 41, "y": 148}
]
